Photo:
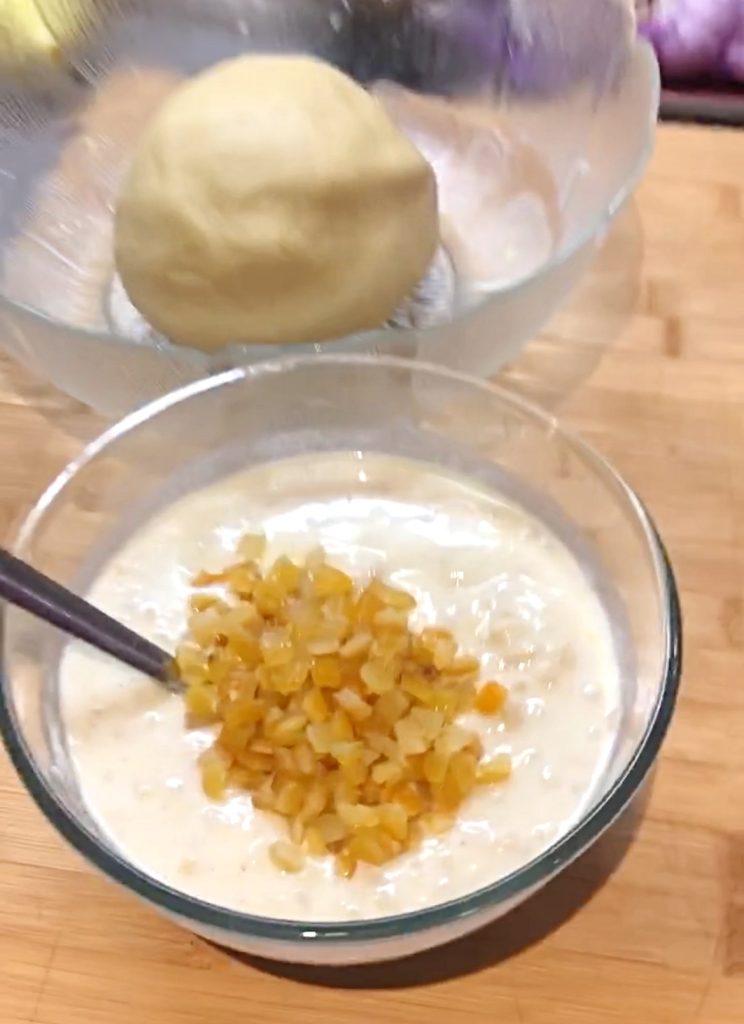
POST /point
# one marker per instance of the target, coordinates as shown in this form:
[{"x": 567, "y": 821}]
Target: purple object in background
[
  {"x": 555, "y": 44},
  {"x": 526, "y": 47},
  {"x": 544, "y": 46},
  {"x": 733, "y": 60},
  {"x": 696, "y": 38}
]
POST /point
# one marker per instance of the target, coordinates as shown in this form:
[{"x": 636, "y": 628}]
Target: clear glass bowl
[
  {"x": 537, "y": 115},
  {"x": 324, "y": 404}
]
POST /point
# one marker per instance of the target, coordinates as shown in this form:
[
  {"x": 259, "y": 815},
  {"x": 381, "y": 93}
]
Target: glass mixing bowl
[
  {"x": 254, "y": 415},
  {"x": 538, "y": 117}
]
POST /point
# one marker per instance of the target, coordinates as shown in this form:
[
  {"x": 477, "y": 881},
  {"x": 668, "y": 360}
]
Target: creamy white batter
[{"x": 508, "y": 588}]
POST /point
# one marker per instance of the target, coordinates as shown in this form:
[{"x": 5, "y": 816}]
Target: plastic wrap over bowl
[{"x": 537, "y": 115}]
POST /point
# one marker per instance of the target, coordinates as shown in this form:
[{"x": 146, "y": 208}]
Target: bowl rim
[
  {"x": 519, "y": 882},
  {"x": 640, "y": 49}
]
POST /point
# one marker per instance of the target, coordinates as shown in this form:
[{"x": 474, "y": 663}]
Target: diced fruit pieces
[
  {"x": 251, "y": 546},
  {"x": 330, "y": 711},
  {"x": 326, "y": 672},
  {"x": 201, "y": 702},
  {"x": 287, "y": 856},
  {"x": 497, "y": 769},
  {"x": 213, "y": 774},
  {"x": 491, "y": 698},
  {"x": 330, "y": 582}
]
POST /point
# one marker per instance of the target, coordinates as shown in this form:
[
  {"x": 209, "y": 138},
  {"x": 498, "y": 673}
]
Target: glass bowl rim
[
  {"x": 519, "y": 882},
  {"x": 355, "y": 342}
]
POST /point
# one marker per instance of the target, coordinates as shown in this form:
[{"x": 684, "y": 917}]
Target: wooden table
[{"x": 648, "y": 362}]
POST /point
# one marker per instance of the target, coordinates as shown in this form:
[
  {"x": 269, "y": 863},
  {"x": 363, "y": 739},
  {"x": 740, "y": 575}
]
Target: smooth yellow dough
[{"x": 271, "y": 201}]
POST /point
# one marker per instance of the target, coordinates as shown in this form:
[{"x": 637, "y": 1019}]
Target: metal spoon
[{"x": 25, "y": 587}]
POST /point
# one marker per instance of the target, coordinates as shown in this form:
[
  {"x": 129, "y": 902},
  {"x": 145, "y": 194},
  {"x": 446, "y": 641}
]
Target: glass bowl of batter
[
  {"x": 538, "y": 117},
  {"x": 506, "y": 529}
]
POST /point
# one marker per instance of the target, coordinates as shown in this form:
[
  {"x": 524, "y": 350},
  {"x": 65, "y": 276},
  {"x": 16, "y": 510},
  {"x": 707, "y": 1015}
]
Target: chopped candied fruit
[
  {"x": 287, "y": 856},
  {"x": 201, "y": 702},
  {"x": 213, "y": 774},
  {"x": 491, "y": 698},
  {"x": 326, "y": 672},
  {"x": 285, "y": 576},
  {"x": 498, "y": 769},
  {"x": 329, "y": 582},
  {"x": 330, "y": 711},
  {"x": 392, "y": 597},
  {"x": 251, "y": 546},
  {"x": 315, "y": 706},
  {"x": 208, "y": 579}
]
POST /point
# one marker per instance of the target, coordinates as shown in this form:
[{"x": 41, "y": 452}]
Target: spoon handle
[{"x": 25, "y": 587}]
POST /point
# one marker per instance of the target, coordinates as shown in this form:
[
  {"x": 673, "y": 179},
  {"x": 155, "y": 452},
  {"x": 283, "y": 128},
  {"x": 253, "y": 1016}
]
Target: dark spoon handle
[{"x": 24, "y": 586}]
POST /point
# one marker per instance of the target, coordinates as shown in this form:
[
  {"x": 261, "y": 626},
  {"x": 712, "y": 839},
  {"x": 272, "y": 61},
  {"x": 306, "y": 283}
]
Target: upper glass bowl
[
  {"x": 537, "y": 115},
  {"x": 325, "y": 404}
]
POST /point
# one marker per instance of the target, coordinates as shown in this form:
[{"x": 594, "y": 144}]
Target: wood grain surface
[{"x": 648, "y": 362}]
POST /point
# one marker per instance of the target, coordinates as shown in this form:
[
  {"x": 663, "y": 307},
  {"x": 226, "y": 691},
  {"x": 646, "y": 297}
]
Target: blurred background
[{"x": 700, "y": 46}]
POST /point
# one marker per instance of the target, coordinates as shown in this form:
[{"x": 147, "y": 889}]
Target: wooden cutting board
[{"x": 647, "y": 928}]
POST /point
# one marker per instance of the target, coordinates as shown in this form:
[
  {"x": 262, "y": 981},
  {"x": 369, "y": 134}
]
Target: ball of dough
[{"x": 272, "y": 200}]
